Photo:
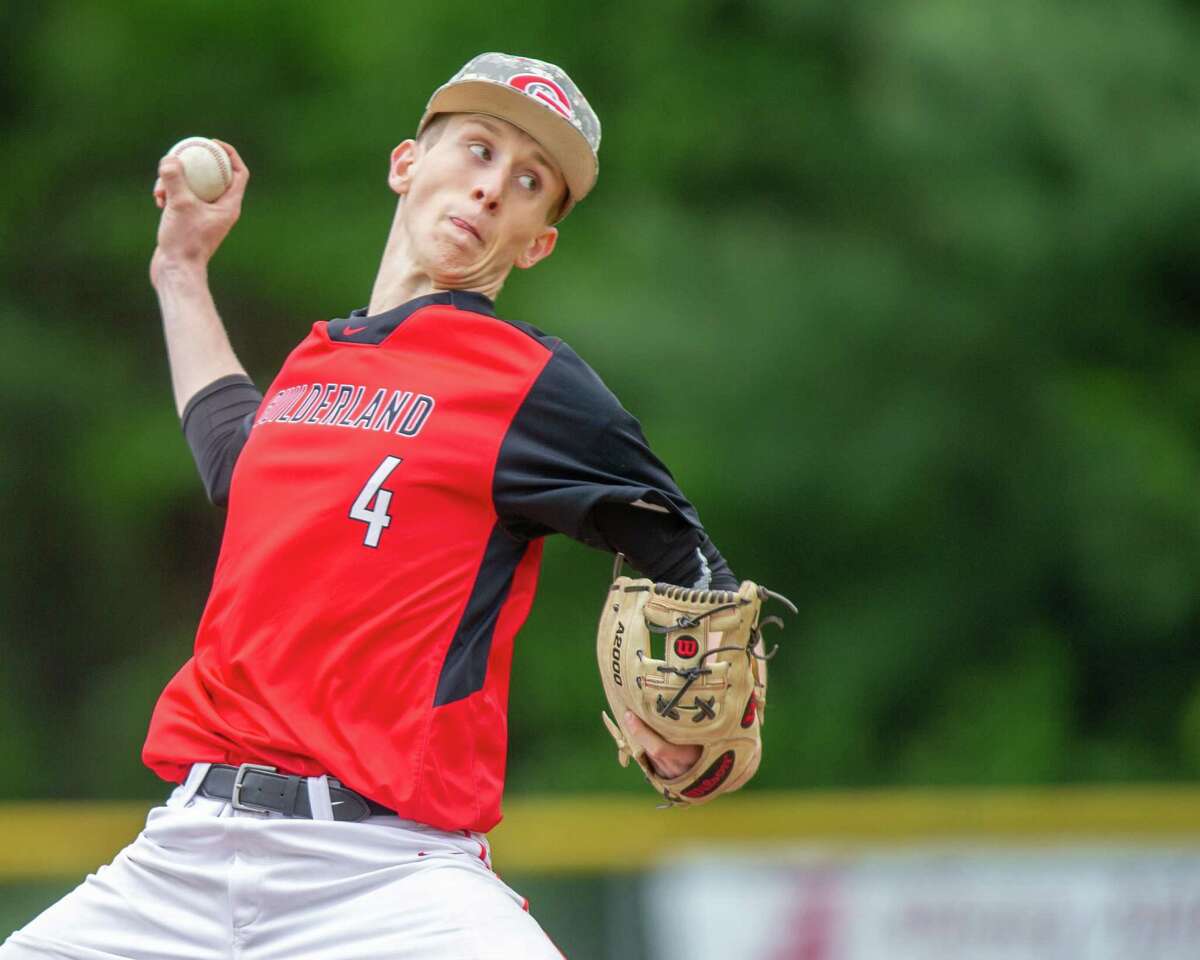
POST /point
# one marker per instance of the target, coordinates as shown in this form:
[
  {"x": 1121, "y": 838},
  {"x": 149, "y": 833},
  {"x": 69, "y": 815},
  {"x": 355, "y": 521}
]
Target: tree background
[{"x": 905, "y": 294}]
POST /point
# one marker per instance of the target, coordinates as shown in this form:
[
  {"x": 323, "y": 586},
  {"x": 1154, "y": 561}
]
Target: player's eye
[
  {"x": 528, "y": 181},
  {"x": 481, "y": 151}
]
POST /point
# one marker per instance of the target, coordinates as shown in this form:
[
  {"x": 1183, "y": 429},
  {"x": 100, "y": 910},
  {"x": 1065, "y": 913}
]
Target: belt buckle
[{"x": 236, "y": 798}]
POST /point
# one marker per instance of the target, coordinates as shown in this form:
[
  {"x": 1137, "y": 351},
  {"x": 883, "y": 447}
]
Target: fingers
[
  {"x": 241, "y": 174},
  {"x": 647, "y": 739},
  {"x": 172, "y": 181},
  {"x": 668, "y": 759}
]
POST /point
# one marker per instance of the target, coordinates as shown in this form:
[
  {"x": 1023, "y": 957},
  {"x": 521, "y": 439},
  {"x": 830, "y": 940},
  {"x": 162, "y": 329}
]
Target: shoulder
[
  {"x": 564, "y": 361},
  {"x": 567, "y": 381}
]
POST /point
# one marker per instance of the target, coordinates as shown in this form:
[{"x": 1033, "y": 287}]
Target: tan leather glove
[{"x": 709, "y": 688}]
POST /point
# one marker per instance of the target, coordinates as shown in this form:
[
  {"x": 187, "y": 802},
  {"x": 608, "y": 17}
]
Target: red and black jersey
[{"x": 382, "y": 548}]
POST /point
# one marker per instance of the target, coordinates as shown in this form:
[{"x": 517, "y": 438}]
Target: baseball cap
[{"x": 539, "y": 98}]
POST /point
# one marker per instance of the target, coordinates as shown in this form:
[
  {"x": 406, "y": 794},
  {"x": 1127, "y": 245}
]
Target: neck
[{"x": 401, "y": 278}]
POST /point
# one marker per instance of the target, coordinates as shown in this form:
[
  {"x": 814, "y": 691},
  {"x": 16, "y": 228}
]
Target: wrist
[{"x": 175, "y": 271}]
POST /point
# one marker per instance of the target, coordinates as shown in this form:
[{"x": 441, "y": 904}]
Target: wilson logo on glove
[{"x": 686, "y": 647}]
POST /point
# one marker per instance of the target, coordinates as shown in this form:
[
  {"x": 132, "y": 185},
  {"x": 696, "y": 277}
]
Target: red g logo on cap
[{"x": 544, "y": 89}]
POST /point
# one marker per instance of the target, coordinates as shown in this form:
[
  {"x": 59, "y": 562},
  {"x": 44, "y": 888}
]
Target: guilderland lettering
[{"x": 342, "y": 405}]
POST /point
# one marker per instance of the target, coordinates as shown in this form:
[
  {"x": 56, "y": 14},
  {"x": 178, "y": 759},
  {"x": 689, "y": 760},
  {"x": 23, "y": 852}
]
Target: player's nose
[{"x": 488, "y": 190}]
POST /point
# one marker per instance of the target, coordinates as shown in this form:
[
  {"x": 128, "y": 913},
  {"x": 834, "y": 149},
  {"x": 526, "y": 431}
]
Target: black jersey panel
[
  {"x": 570, "y": 447},
  {"x": 373, "y": 330},
  {"x": 465, "y": 666},
  {"x": 216, "y": 422}
]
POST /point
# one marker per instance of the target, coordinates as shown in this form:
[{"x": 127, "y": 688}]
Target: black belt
[{"x": 264, "y": 790}]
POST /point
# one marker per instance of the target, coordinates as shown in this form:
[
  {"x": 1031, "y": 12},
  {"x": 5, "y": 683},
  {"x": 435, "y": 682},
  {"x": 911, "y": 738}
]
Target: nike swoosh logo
[{"x": 351, "y": 331}]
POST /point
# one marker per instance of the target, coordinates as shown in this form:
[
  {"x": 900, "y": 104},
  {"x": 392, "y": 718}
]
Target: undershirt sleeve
[
  {"x": 574, "y": 461},
  {"x": 216, "y": 422}
]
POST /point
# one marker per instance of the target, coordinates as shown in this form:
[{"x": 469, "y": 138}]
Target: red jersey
[{"x": 382, "y": 548}]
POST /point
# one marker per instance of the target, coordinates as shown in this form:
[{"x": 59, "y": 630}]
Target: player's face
[{"x": 476, "y": 201}]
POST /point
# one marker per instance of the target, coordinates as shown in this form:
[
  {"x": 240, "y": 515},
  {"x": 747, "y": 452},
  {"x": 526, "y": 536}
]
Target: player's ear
[
  {"x": 539, "y": 248},
  {"x": 400, "y": 167}
]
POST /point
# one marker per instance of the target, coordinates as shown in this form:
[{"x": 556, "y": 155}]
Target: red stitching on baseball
[{"x": 217, "y": 152}]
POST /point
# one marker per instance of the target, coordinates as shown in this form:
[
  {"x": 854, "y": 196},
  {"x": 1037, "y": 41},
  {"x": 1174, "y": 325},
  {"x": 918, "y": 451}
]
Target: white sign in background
[{"x": 932, "y": 903}]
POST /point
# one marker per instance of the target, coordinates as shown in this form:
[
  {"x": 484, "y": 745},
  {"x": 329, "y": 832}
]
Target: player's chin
[
  {"x": 449, "y": 259},
  {"x": 454, "y": 268}
]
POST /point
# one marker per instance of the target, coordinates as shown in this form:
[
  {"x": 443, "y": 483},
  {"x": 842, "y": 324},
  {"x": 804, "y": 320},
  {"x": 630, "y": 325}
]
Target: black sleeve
[
  {"x": 574, "y": 461},
  {"x": 216, "y": 423},
  {"x": 663, "y": 547}
]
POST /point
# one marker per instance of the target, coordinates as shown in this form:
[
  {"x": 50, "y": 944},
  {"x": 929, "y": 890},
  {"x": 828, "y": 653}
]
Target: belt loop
[
  {"x": 195, "y": 777},
  {"x": 318, "y": 797}
]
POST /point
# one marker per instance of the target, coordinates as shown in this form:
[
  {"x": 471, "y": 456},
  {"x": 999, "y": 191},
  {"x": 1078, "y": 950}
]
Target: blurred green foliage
[{"x": 906, "y": 294}]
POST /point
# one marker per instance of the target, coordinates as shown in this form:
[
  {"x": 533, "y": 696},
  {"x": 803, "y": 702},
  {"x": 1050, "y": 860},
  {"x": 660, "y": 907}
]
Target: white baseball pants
[{"x": 206, "y": 882}]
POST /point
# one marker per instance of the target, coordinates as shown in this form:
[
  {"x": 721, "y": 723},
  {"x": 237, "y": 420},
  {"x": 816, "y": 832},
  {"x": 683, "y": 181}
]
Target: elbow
[{"x": 216, "y": 485}]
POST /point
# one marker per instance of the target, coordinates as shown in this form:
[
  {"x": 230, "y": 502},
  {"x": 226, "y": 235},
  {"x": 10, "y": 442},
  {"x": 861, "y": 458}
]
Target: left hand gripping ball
[{"x": 206, "y": 166}]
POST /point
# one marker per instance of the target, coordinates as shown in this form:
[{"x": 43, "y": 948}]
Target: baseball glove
[{"x": 709, "y": 688}]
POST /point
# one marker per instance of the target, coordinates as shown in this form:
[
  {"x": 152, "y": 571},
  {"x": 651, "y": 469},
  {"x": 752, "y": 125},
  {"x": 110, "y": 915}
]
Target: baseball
[{"x": 206, "y": 166}]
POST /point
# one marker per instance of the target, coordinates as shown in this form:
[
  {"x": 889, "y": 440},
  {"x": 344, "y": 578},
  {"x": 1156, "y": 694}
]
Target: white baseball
[{"x": 206, "y": 166}]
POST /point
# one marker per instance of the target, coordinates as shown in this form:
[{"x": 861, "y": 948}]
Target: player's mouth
[{"x": 467, "y": 226}]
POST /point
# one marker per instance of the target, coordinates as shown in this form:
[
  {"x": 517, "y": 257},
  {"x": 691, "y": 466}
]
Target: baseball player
[{"x": 338, "y": 738}]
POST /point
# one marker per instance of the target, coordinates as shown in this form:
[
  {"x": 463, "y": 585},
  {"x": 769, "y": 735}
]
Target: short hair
[{"x": 433, "y": 132}]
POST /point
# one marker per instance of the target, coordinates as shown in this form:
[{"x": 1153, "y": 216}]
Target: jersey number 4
[{"x": 376, "y": 515}]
